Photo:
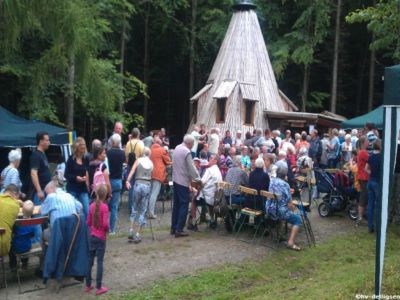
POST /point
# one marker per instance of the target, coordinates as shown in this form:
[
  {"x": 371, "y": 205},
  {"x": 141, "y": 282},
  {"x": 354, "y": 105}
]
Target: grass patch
[{"x": 338, "y": 269}]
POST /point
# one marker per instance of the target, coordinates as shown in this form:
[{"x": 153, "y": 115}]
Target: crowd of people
[{"x": 92, "y": 182}]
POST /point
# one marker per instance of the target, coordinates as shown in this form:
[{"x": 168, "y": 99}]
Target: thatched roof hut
[{"x": 242, "y": 84}]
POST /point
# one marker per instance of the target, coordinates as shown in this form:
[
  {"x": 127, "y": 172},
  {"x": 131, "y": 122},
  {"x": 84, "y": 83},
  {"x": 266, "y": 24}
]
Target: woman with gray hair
[
  {"x": 143, "y": 169},
  {"x": 10, "y": 174},
  {"x": 258, "y": 180},
  {"x": 284, "y": 211},
  {"x": 236, "y": 177}
]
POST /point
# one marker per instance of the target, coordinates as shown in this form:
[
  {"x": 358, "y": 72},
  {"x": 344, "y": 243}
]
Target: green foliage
[
  {"x": 337, "y": 269},
  {"x": 384, "y": 21},
  {"x": 59, "y": 30}
]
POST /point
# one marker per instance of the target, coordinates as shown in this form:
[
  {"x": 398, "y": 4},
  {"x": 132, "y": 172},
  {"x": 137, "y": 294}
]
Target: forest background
[{"x": 84, "y": 64}]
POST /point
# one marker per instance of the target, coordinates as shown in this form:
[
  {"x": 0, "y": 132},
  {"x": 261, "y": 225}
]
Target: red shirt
[
  {"x": 103, "y": 226},
  {"x": 362, "y": 159}
]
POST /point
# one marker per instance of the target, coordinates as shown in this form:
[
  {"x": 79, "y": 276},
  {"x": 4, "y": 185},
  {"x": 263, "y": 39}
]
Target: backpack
[
  {"x": 98, "y": 178},
  {"x": 132, "y": 156}
]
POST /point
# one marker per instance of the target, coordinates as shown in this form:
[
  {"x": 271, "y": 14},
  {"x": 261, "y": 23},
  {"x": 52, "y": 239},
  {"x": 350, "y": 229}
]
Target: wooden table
[{"x": 36, "y": 211}]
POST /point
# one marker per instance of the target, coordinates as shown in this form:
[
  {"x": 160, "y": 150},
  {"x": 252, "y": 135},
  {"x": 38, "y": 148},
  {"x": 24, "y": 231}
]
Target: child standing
[{"x": 99, "y": 226}]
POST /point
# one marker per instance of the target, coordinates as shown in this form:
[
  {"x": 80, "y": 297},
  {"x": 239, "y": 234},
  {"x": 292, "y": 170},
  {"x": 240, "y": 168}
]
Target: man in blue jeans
[
  {"x": 373, "y": 168},
  {"x": 183, "y": 172},
  {"x": 116, "y": 159}
]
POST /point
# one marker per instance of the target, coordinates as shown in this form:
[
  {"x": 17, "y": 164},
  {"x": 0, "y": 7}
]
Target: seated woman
[
  {"x": 236, "y": 176},
  {"x": 282, "y": 208},
  {"x": 270, "y": 167},
  {"x": 258, "y": 180}
]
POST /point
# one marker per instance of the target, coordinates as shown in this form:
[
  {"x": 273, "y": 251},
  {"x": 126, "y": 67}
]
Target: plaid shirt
[
  {"x": 236, "y": 176},
  {"x": 59, "y": 204}
]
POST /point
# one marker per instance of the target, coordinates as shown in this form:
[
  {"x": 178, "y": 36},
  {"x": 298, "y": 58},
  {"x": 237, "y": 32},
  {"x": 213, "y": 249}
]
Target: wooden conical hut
[{"x": 242, "y": 84}]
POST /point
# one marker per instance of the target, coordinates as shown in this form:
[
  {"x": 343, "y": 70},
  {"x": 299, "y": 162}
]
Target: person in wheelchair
[
  {"x": 206, "y": 193},
  {"x": 282, "y": 207}
]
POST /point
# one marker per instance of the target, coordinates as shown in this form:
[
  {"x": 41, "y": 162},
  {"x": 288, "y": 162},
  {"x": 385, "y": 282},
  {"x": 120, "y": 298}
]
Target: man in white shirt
[
  {"x": 238, "y": 140},
  {"x": 196, "y": 135},
  {"x": 214, "y": 141}
]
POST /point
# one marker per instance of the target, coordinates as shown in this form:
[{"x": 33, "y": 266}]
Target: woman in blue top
[
  {"x": 373, "y": 168},
  {"x": 76, "y": 173},
  {"x": 246, "y": 163},
  {"x": 284, "y": 211}
]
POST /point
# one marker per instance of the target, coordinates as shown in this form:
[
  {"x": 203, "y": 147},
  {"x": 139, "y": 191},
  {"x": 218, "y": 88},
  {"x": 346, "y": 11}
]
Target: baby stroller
[{"x": 340, "y": 195}]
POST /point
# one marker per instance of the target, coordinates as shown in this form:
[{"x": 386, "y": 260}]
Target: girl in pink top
[{"x": 99, "y": 226}]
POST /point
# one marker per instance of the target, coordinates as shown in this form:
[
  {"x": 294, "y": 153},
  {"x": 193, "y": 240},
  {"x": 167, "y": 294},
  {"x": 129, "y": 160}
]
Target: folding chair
[
  {"x": 247, "y": 212},
  {"x": 269, "y": 222},
  {"x": 3, "y": 268},
  {"x": 31, "y": 253},
  {"x": 230, "y": 214}
]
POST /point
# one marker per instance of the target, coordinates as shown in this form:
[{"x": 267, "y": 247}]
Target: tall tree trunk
[
  {"x": 146, "y": 62},
  {"x": 70, "y": 92},
  {"x": 306, "y": 82},
  {"x": 122, "y": 65},
  {"x": 371, "y": 77},
  {"x": 105, "y": 129},
  {"x": 336, "y": 57},
  {"x": 371, "y": 72},
  {"x": 360, "y": 82},
  {"x": 192, "y": 56}
]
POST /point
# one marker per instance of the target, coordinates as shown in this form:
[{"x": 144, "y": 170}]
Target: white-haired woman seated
[
  {"x": 304, "y": 162},
  {"x": 236, "y": 177},
  {"x": 10, "y": 174},
  {"x": 270, "y": 167},
  {"x": 258, "y": 180},
  {"x": 143, "y": 169},
  {"x": 282, "y": 208}
]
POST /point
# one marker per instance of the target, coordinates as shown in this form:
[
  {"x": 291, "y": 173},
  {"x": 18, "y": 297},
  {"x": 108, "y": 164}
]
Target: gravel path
[{"x": 129, "y": 266}]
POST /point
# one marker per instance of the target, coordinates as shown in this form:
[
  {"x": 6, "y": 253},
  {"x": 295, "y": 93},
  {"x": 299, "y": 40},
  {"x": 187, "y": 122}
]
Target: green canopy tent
[
  {"x": 18, "y": 132},
  {"x": 375, "y": 116}
]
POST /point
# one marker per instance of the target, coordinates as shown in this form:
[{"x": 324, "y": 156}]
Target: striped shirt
[
  {"x": 10, "y": 175},
  {"x": 59, "y": 204}
]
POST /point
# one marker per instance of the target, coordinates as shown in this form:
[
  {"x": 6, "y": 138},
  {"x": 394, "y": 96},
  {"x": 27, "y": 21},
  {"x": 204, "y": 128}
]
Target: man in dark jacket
[{"x": 315, "y": 150}]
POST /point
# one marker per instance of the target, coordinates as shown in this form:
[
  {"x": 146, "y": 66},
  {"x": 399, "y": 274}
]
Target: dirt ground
[{"x": 130, "y": 266}]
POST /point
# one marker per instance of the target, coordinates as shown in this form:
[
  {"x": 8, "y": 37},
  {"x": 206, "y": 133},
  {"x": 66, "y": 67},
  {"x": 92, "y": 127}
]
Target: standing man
[
  {"x": 183, "y": 172},
  {"x": 213, "y": 144},
  {"x": 164, "y": 138},
  {"x": 315, "y": 150},
  {"x": 40, "y": 173},
  {"x": 333, "y": 148},
  {"x": 196, "y": 135},
  {"x": 160, "y": 158},
  {"x": 323, "y": 163},
  {"x": 133, "y": 150},
  {"x": 238, "y": 140},
  {"x": 203, "y": 139},
  {"x": 116, "y": 159},
  {"x": 118, "y": 127}
]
